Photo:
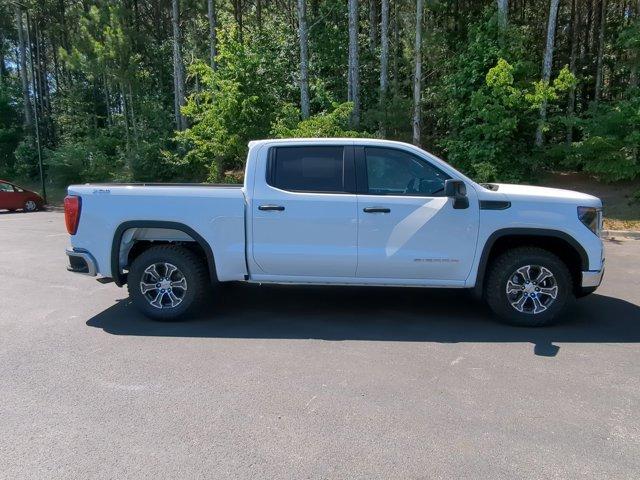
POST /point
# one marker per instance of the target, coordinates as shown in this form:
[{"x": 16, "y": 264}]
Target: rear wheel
[
  {"x": 167, "y": 282},
  {"x": 30, "y": 206},
  {"x": 528, "y": 286}
]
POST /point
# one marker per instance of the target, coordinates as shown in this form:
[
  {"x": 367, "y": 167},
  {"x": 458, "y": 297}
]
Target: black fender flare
[
  {"x": 524, "y": 232},
  {"x": 119, "y": 278}
]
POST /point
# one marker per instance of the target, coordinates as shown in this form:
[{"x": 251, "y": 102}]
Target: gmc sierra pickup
[{"x": 340, "y": 212}]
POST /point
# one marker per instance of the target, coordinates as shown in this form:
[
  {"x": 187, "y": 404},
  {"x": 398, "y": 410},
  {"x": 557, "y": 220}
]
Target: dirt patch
[{"x": 621, "y": 199}]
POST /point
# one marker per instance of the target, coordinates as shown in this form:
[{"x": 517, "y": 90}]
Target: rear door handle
[
  {"x": 376, "y": 210},
  {"x": 267, "y": 208}
]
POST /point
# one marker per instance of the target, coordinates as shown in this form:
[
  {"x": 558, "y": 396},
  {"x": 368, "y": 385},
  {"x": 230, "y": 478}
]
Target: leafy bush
[
  {"x": 611, "y": 140},
  {"x": 26, "y": 160},
  {"x": 496, "y": 135},
  {"x": 326, "y": 124},
  {"x": 237, "y": 103},
  {"x": 10, "y": 131},
  {"x": 81, "y": 162}
]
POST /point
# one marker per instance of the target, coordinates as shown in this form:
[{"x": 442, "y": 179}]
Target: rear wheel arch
[
  {"x": 559, "y": 243},
  {"x": 200, "y": 245}
]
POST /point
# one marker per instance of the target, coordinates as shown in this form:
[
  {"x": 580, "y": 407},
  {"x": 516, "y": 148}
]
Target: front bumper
[
  {"x": 81, "y": 261},
  {"x": 592, "y": 278}
]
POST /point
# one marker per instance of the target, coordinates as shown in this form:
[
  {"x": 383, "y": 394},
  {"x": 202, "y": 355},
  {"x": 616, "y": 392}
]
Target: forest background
[{"x": 172, "y": 90}]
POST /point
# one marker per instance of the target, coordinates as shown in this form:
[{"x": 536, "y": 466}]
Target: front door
[
  {"x": 305, "y": 214},
  {"x": 408, "y": 229}
]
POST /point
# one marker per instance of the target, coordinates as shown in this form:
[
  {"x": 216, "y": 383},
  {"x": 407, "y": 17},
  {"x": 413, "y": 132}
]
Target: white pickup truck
[{"x": 340, "y": 212}]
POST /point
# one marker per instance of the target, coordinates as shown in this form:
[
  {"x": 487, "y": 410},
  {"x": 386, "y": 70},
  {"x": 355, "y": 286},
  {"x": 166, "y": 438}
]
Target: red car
[{"x": 13, "y": 197}]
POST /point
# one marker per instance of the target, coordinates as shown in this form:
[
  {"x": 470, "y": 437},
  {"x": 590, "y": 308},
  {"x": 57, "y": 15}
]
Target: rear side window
[{"x": 307, "y": 169}]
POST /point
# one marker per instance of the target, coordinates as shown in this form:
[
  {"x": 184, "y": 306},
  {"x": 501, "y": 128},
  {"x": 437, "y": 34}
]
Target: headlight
[{"x": 592, "y": 218}]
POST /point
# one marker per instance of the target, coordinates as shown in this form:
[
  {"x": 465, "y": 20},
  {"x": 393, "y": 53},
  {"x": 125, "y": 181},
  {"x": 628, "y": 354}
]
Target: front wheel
[
  {"x": 167, "y": 282},
  {"x": 528, "y": 286}
]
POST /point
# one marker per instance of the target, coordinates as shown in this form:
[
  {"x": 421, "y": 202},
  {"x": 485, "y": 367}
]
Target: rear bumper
[
  {"x": 592, "y": 278},
  {"x": 81, "y": 261}
]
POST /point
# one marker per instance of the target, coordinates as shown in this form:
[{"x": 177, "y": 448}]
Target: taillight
[{"x": 72, "y": 206}]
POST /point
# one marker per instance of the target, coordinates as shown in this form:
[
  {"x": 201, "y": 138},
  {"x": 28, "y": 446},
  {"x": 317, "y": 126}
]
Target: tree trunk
[
  {"x": 39, "y": 93},
  {"x": 304, "y": 58},
  {"x": 125, "y": 111},
  {"x": 259, "y": 13},
  {"x": 3, "y": 67},
  {"x": 237, "y": 14},
  {"x": 22, "y": 64},
  {"x": 396, "y": 47},
  {"x": 133, "y": 115},
  {"x": 384, "y": 65},
  {"x": 546, "y": 66},
  {"x": 633, "y": 77},
  {"x": 503, "y": 12},
  {"x": 211, "y": 15},
  {"x": 354, "y": 75},
  {"x": 417, "y": 75},
  {"x": 106, "y": 99},
  {"x": 575, "y": 38},
  {"x": 603, "y": 19},
  {"x": 178, "y": 67},
  {"x": 373, "y": 24}
]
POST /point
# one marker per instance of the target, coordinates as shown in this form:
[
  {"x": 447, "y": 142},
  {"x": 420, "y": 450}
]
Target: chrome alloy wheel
[
  {"x": 532, "y": 289},
  {"x": 30, "y": 206},
  {"x": 163, "y": 285}
]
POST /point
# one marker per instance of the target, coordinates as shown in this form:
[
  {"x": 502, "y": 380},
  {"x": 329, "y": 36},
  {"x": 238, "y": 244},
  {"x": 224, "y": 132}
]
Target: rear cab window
[{"x": 315, "y": 169}]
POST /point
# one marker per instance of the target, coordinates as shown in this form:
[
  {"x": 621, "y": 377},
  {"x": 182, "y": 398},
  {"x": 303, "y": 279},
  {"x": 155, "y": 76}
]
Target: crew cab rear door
[
  {"x": 408, "y": 228},
  {"x": 304, "y": 212}
]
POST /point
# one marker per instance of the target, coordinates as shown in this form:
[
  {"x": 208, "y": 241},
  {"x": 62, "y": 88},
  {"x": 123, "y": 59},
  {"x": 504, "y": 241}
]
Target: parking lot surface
[{"x": 307, "y": 382}]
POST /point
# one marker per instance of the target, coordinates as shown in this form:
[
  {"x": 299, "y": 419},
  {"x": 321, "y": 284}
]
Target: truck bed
[{"x": 215, "y": 212}]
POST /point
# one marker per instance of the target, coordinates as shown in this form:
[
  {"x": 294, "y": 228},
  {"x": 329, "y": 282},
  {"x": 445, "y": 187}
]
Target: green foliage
[
  {"x": 611, "y": 140},
  {"x": 494, "y": 141},
  {"x": 10, "y": 131},
  {"x": 236, "y": 104},
  {"x": 81, "y": 162},
  {"x": 26, "y": 159},
  {"x": 333, "y": 124}
]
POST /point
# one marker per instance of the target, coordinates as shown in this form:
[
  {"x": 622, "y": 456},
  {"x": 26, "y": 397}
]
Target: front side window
[
  {"x": 307, "y": 169},
  {"x": 5, "y": 187},
  {"x": 395, "y": 172}
]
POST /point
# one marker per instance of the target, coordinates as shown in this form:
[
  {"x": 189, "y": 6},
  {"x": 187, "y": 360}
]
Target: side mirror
[{"x": 457, "y": 190}]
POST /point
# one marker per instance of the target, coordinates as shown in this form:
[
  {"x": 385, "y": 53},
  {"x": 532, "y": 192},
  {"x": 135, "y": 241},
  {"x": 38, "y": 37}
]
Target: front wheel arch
[{"x": 559, "y": 243}]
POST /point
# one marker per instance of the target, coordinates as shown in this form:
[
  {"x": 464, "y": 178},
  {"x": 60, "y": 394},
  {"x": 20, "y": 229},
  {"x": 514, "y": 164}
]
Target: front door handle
[
  {"x": 376, "y": 210},
  {"x": 268, "y": 208}
]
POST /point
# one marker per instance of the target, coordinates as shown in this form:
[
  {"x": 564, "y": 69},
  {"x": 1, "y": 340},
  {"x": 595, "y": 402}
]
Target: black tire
[
  {"x": 189, "y": 266},
  {"x": 501, "y": 272},
  {"x": 30, "y": 206}
]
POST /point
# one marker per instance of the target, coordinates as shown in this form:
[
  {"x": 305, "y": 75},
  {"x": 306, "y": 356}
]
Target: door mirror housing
[{"x": 457, "y": 190}]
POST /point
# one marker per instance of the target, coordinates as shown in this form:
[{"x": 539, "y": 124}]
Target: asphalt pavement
[{"x": 308, "y": 382}]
